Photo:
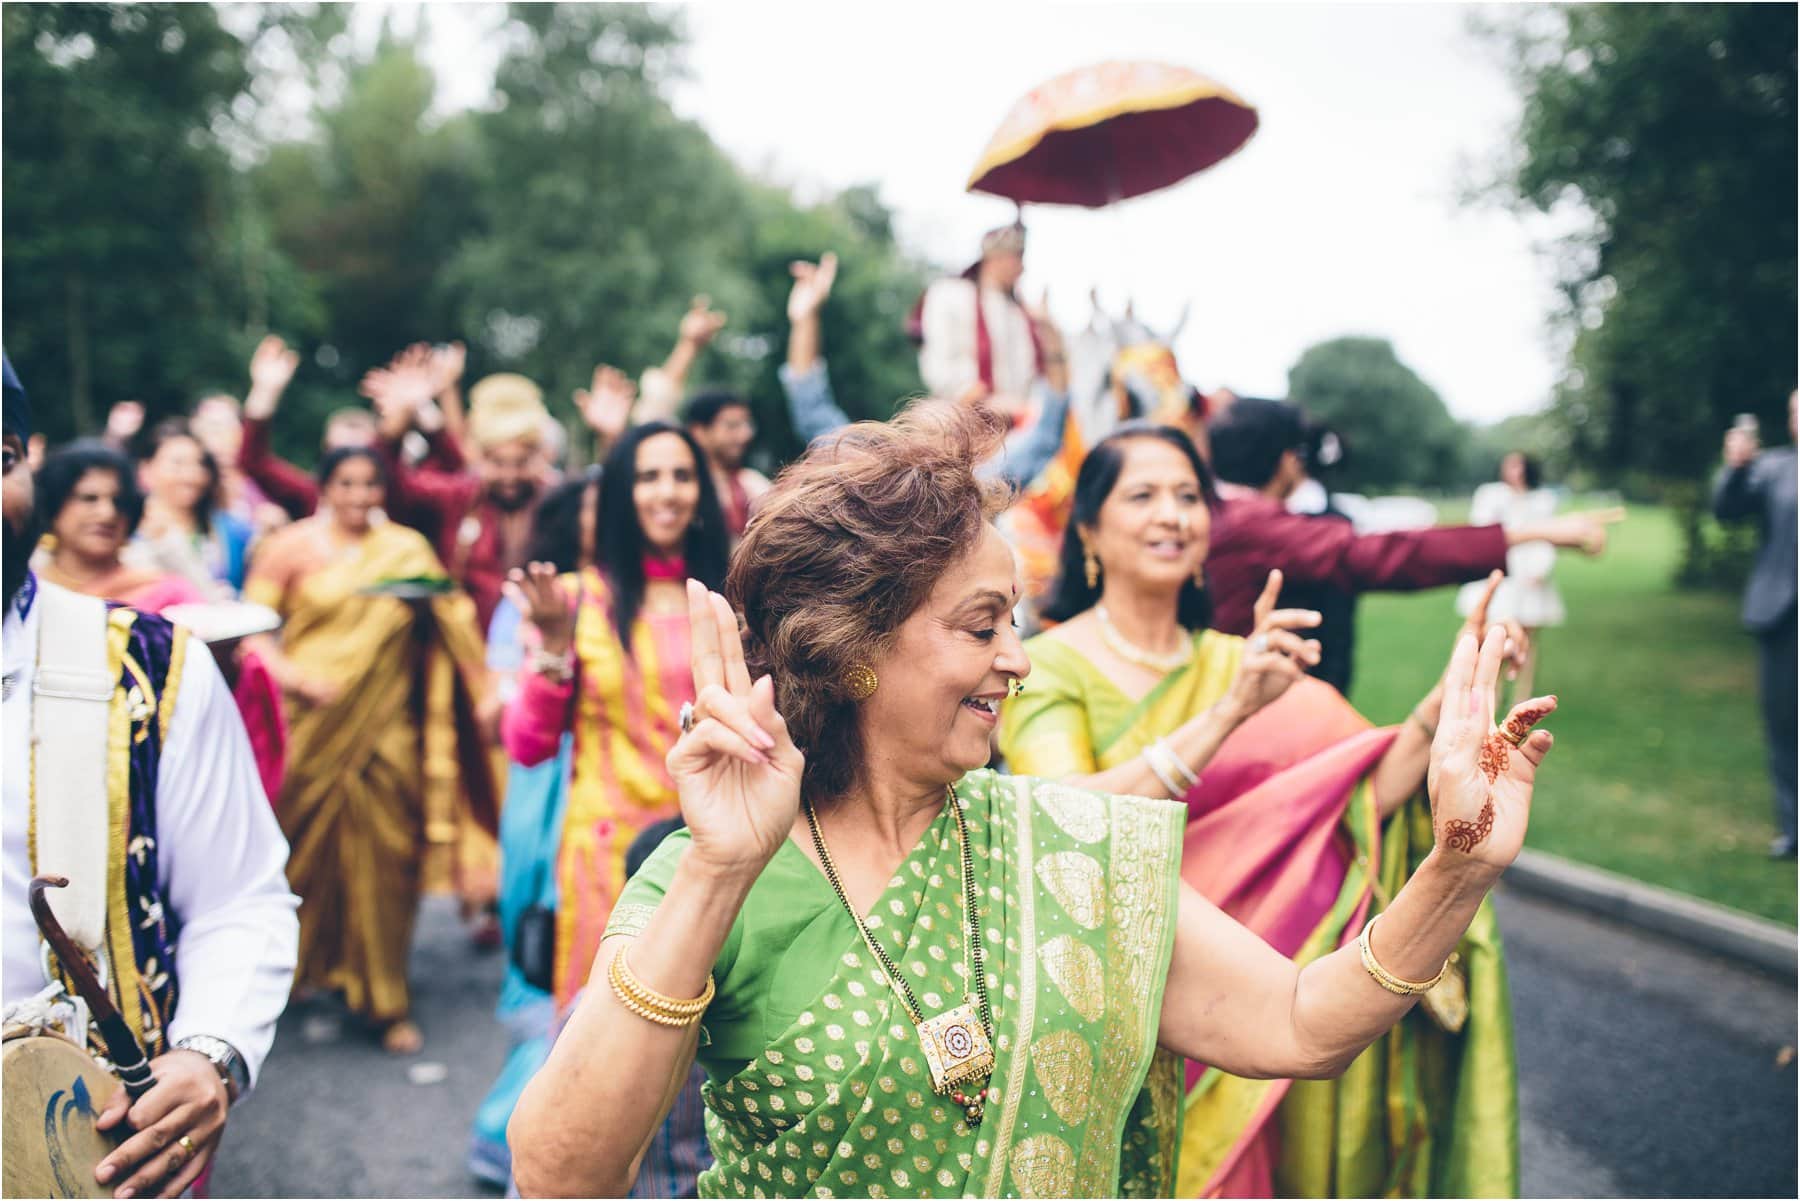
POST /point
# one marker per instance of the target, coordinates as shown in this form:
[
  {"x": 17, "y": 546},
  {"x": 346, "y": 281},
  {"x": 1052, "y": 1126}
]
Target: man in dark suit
[{"x": 1761, "y": 486}]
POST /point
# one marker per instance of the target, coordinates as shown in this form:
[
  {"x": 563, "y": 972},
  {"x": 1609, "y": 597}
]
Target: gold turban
[{"x": 506, "y": 408}]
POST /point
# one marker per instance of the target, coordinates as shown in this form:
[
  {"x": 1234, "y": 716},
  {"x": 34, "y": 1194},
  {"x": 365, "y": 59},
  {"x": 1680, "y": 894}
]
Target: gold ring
[
  {"x": 1506, "y": 732},
  {"x": 186, "y": 1144}
]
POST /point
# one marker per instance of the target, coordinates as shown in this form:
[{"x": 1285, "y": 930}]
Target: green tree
[
  {"x": 119, "y": 275},
  {"x": 1673, "y": 126},
  {"x": 1396, "y": 430}
]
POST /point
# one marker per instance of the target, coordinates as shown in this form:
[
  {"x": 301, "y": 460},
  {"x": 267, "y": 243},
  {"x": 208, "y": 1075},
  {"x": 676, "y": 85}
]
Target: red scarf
[{"x": 658, "y": 568}]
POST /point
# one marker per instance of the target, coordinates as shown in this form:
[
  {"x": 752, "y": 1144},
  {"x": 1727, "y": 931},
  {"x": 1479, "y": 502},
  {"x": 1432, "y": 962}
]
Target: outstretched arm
[{"x": 1234, "y": 1002}]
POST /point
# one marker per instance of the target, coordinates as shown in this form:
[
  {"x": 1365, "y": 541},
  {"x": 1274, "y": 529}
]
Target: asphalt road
[{"x": 1646, "y": 1069}]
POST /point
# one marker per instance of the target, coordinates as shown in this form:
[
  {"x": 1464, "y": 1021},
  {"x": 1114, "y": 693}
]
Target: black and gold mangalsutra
[{"x": 958, "y": 1043}]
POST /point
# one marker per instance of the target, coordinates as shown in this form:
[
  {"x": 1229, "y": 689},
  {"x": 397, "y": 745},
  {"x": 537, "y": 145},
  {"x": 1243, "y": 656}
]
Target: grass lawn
[{"x": 1659, "y": 769}]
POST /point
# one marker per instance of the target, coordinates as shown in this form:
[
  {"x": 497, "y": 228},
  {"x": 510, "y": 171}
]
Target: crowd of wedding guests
[{"x": 480, "y": 650}]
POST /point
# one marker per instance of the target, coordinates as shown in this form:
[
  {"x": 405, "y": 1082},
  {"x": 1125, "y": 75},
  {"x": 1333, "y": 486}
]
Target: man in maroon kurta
[
  {"x": 1257, "y": 445},
  {"x": 483, "y": 516}
]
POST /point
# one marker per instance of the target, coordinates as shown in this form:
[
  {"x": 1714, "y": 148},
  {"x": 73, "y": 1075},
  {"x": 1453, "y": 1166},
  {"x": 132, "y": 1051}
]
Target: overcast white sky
[{"x": 1340, "y": 216}]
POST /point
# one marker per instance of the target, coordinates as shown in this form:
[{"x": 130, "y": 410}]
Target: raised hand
[
  {"x": 736, "y": 770},
  {"x": 812, "y": 287},
  {"x": 401, "y": 389},
  {"x": 1518, "y": 642},
  {"x": 272, "y": 366},
  {"x": 1274, "y": 656},
  {"x": 539, "y": 597},
  {"x": 1481, "y": 775},
  {"x": 606, "y": 406},
  {"x": 124, "y": 420},
  {"x": 447, "y": 364},
  {"x": 700, "y": 323}
]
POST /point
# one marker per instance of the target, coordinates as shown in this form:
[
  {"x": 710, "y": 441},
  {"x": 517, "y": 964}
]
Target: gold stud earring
[
  {"x": 860, "y": 681},
  {"x": 1200, "y": 575}
]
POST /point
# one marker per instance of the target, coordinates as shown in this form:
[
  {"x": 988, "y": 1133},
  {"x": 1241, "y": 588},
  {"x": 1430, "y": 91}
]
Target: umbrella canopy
[{"x": 1110, "y": 132}]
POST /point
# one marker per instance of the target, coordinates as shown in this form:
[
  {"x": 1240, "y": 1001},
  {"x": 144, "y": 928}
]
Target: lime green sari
[
  {"x": 815, "y": 1080},
  {"x": 1284, "y": 836}
]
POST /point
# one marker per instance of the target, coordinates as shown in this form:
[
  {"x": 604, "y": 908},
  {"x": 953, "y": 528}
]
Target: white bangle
[
  {"x": 1175, "y": 789},
  {"x": 558, "y": 669},
  {"x": 1182, "y": 770}
]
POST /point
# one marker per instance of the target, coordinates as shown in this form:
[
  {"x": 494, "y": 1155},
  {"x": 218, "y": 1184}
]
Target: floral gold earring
[
  {"x": 1015, "y": 687},
  {"x": 860, "y": 681},
  {"x": 1090, "y": 563}
]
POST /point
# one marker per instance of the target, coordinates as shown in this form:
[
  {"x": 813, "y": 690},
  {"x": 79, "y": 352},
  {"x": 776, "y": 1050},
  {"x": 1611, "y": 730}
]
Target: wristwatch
[{"x": 225, "y": 1060}]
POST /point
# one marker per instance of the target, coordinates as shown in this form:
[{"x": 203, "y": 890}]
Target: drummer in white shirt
[{"x": 202, "y": 969}]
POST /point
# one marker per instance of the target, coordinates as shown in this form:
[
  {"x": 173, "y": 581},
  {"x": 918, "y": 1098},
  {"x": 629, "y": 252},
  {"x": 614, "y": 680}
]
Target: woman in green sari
[
  {"x": 904, "y": 975},
  {"x": 1291, "y": 799}
]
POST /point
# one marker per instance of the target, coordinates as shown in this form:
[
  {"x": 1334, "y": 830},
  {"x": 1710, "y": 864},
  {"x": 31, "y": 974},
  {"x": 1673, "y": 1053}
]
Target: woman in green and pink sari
[
  {"x": 1303, "y": 821},
  {"x": 905, "y": 975}
]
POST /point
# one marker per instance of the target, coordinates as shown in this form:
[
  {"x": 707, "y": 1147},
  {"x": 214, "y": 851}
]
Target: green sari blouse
[{"x": 815, "y": 1081}]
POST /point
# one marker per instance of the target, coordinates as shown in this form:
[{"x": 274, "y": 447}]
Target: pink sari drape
[{"x": 1264, "y": 845}]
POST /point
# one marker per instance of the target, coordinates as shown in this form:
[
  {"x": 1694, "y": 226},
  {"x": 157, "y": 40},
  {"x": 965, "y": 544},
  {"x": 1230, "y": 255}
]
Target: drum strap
[{"x": 71, "y": 700}]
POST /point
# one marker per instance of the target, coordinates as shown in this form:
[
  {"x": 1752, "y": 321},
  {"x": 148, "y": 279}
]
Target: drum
[{"x": 54, "y": 1092}]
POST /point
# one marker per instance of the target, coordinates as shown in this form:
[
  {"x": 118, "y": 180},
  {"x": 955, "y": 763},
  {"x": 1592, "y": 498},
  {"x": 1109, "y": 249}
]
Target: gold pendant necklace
[
  {"x": 958, "y": 1043},
  {"x": 1129, "y": 651}
]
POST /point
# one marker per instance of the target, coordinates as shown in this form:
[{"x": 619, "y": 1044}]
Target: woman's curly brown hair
[{"x": 844, "y": 548}]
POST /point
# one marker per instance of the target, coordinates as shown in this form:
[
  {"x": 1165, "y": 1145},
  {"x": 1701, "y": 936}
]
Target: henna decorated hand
[{"x": 1481, "y": 775}]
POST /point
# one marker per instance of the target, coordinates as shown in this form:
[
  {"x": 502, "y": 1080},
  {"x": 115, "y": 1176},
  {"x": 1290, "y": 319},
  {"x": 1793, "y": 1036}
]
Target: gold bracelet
[
  {"x": 651, "y": 1005},
  {"x": 1387, "y": 979}
]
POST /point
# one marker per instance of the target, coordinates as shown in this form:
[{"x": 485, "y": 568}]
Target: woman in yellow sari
[
  {"x": 903, "y": 974},
  {"x": 1300, "y": 827},
  {"x": 379, "y": 697}
]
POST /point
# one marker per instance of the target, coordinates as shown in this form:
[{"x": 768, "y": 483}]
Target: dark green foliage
[
  {"x": 1397, "y": 432},
  {"x": 1675, "y": 125},
  {"x": 118, "y": 214},
  {"x": 155, "y": 226}
]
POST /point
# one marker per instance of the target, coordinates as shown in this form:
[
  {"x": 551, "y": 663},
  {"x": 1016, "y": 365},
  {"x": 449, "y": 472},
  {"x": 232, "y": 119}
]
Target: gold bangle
[
  {"x": 651, "y": 1005},
  {"x": 1387, "y": 979}
]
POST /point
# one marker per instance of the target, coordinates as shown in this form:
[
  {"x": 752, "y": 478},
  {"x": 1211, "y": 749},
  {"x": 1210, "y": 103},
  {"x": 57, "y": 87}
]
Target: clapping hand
[
  {"x": 812, "y": 287},
  {"x": 402, "y": 388},
  {"x": 700, "y": 323},
  {"x": 447, "y": 364},
  {"x": 606, "y": 406},
  {"x": 1481, "y": 775},
  {"x": 736, "y": 770},
  {"x": 1274, "y": 656}
]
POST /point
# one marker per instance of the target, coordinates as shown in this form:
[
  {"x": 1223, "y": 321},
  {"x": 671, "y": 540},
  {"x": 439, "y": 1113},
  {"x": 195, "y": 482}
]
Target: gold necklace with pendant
[{"x": 958, "y": 1043}]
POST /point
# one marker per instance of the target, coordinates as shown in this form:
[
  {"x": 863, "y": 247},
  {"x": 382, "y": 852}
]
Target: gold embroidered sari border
[{"x": 1000, "y": 1157}]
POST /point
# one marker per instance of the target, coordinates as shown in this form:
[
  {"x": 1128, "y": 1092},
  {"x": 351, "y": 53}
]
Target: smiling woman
[
  {"x": 608, "y": 659},
  {"x": 902, "y": 972},
  {"x": 93, "y": 506}
]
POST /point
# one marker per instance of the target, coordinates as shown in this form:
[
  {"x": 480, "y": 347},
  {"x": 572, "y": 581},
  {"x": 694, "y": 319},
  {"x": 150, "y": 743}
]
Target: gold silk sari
[{"x": 374, "y": 778}]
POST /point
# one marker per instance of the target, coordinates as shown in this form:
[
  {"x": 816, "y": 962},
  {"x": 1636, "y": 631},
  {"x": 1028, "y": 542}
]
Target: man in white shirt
[
  {"x": 976, "y": 333},
  {"x": 202, "y": 966}
]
